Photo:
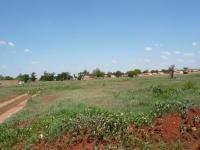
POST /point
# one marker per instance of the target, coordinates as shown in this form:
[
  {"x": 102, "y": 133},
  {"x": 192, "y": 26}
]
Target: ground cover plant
[{"x": 105, "y": 114}]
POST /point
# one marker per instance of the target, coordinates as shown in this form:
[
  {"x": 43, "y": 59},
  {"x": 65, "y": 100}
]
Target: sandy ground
[{"x": 13, "y": 109}]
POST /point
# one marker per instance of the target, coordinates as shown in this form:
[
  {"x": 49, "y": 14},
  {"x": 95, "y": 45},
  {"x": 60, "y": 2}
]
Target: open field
[{"x": 105, "y": 114}]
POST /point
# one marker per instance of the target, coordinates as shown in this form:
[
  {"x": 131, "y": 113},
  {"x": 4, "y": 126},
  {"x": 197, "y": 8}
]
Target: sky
[{"x": 73, "y": 35}]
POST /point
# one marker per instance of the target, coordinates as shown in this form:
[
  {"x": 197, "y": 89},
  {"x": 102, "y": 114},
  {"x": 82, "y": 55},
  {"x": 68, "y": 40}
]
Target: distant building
[
  {"x": 179, "y": 72},
  {"x": 113, "y": 76},
  {"x": 86, "y": 77}
]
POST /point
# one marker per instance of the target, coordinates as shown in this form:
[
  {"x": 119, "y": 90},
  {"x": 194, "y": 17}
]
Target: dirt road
[{"x": 9, "y": 107}]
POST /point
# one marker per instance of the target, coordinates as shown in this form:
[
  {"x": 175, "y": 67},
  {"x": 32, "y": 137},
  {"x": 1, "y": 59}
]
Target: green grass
[{"x": 82, "y": 104}]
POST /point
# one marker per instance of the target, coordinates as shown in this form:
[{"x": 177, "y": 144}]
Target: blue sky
[{"x": 66, "y": 35}]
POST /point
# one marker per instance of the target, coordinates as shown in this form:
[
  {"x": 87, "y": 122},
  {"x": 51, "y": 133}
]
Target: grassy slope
[{"x": 119, "y": 95}]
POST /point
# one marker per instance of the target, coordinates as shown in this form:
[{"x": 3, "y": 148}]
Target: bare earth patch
[
  {"x": 7, "y": 108},
  {"x": 49, "y": 98}
]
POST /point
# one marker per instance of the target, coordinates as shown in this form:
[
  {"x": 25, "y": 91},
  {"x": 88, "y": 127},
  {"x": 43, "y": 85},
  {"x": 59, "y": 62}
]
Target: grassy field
[{"x": 102, "y": 110}]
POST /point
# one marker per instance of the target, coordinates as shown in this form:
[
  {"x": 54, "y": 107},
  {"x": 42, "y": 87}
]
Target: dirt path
[
  {"x": 7, "y": 108},
  {"x": 4, "y": 103}
]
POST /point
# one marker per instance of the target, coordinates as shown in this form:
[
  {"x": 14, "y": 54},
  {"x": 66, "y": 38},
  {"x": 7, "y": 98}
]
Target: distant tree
[
  {"x": 171, "y": 71},
  {"x": 118, "y": 73},
  {"x": 1, "y": 77},
  {"x": 23, "y": 77},
  {"x": 80, "y": 76},
  {"x": 145, "y": 71},
  {"x": 63, "y": 76},
  {"x": 137, "y": 71},
  {"x": 185, "y": 70},
  {"x": 165, "y": 71},
  {"x": 98, "y": 73},
  {"x": 109, "y": 74},
  {"x": 154, "y": 71},
  {"x": 85, "y": 72},
  {"x": 48, "y": 76},
  {"x": 33, "y": 77},
  {"x": 134, "y": 73},
  {"x": 8, "y": 78}
]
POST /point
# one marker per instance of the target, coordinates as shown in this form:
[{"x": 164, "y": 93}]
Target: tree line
[{"x": 96, "y": 73}]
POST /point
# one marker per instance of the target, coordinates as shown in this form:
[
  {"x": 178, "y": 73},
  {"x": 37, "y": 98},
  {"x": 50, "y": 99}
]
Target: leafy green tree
[
  {"x": 145, "y": 71},
  {"x": 118, "y": 73},
  {"x": 154, "y": 71},
  {"x": 33, "y": 77},
  {"x": 109, "y": 74},
  {"x": 48, "y": 76},
  {"x": 85, "y": 72},
  {"x": 63, "y": 76},
  {"x": 23, "y": 77},
  {"x": 165, "y": 70},
  {"x": 185, "y": 70},
  {"x": 98, "y": 73},
  {"x": 134, "y": 73},
  {"x": 171, "y": 71},
  {"x": 6, "y": 77}
]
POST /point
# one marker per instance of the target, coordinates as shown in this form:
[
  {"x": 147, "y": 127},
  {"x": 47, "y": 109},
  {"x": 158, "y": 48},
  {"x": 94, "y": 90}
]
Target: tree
[
  {"x": 33, "y": 77},
  {"x": 1, "y": 77},
  {"x": 48, "y": 76},
  {"x": 118, "y": 73},
  {"x": 185, "y": 70},
  {"x": 154, "y": 71},
  {"x": 6, "y": 77},
  {"x": 109, "y": 74},
  {"x": 134, "y": 73},
  {"x": 85, "y": 73},
  {"x": 23, "y": 77},
  {"x": 165, "y": 70},
  {"x": 145, "y": 71},
  {"x": 97, "y": 72},
  {"x": 171, "y": 71},
  {"x": 63, "y": 76}
]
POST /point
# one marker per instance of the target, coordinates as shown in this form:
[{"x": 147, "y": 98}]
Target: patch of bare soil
[
  {"x": 12, "y": 106},
  {"x": 49, "y": 98},
  {"x": 168, "y": 129},
  {"x": 12, "y": 99}
]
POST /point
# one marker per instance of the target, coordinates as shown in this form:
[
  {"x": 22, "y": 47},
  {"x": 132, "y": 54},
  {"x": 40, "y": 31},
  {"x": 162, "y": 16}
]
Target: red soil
[
  {"x": 168, "y": 129},
  {"x": 49, "y": 98}
]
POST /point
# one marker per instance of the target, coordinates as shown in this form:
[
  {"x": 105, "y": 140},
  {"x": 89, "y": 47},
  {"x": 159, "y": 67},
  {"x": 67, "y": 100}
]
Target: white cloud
[
  {"x": 147, "y": 60},
  {"x": 188, "y": 54},
  {"x": 167, "y": 53},
  {"x": 3, "y": 42},
  {"x": 177, "y": 52},
  {"x": 180, "y": 60},
  {"x": 198, "y": 52},
  {"x": 164, "y": 57},
  {"x": 148, "y": 49},
  {"x": 35, "y": 62},
  {"x": 11, "y": 44},
  {"x": 27, "y": 50},
  {"x": 134, "y": 65},
  {"x": 194, "y": 44},
  {"x": 114, "y": 62}
]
